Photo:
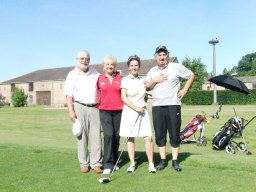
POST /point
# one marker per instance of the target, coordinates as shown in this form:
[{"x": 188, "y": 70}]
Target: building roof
[{"x": 61, "y": 73}]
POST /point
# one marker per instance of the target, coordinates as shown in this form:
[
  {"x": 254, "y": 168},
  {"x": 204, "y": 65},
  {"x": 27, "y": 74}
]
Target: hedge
[{"x": 224, "y": 96}]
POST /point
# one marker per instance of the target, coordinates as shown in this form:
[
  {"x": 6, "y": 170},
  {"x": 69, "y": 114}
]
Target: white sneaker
[
  {"x": 132, "y": 168},
  {"x": 106, "y": 171},
  {"x": 151, "y": 168}
]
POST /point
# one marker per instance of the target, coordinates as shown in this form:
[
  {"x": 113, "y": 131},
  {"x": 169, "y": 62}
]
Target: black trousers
[
  {"x": 167, "y": 118},
  {"x": 110, "y": 121}
]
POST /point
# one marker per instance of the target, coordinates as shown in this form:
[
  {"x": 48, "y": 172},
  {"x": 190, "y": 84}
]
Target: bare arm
[
  {"x": 187, "y": 85},
  {"x": 128, "y": 102},
  {"x": 71, "y": 111},
  {"x": 158, "y": 79}
]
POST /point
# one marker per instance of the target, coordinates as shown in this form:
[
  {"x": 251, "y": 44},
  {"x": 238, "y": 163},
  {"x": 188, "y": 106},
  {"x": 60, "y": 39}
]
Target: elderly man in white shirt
[{"x": 81, "y": 95}]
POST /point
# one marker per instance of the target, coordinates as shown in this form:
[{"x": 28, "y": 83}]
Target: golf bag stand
[
  {"x": 198, "y": 122},
  {"x": 242, "y": 145},
  {"x": 224, "y": 137}
]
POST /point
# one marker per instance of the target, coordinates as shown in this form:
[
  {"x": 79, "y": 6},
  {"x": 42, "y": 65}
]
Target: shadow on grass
[
  {"x": 142, "y": 161},
  {"x": 141, "y": 158}
]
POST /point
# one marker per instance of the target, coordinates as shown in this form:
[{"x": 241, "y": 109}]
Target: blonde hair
[{"x": 109, "y": 58}]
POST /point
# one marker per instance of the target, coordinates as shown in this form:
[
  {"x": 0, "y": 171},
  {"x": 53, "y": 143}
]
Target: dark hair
[{"x": 133, "y": 57}]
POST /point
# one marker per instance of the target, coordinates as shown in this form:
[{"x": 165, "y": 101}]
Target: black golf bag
[{"x": 227, "y": 131}]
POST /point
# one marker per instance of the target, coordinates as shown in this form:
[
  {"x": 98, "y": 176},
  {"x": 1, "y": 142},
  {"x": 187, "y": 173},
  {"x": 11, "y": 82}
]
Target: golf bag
[
  {"x": 192, "y": 126},
  {"x": 197, "y": 123},
  {"x": 234, "y": 127},
  {"x": 226, "y": 132}
]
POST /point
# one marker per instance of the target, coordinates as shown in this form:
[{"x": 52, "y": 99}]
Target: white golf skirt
[{"x": 133, "y": 127}]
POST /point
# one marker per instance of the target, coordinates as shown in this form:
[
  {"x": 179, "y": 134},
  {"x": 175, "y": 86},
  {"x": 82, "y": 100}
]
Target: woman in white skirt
[{"x": 135, "y": 120}]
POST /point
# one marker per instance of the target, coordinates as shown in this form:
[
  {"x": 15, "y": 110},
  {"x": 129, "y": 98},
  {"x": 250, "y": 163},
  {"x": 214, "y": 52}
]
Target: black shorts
[{"x": 167, "y": 118}]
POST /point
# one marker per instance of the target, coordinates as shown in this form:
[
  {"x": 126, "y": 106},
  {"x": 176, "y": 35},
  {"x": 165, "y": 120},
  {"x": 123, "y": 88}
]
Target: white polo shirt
[
  {"x": 135, "y": 89},
  {"x": 166, "y": 92},
  {"x": 82, "y": 86}
]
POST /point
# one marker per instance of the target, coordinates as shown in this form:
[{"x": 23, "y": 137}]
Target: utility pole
[{"x": 213, "y": 42}]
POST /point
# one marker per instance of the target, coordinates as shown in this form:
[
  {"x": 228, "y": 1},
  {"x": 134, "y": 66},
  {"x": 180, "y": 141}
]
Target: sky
[{"x": 42, "y": 34}]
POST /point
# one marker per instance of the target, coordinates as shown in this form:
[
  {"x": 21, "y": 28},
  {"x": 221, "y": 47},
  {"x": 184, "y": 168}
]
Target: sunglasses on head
[{"x": 134, "y": 57}]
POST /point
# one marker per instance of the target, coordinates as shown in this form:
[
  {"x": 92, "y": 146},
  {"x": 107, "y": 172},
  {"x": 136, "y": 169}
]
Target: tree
[
  {"x": 234, "y": 70},
  {"x": 253, "y": 69},
  {"x": 245, "y": 65},
  {"x": 19, "y": 98},
  {"x": 226, "y": 72},
  {"x": 199, "y": 70}
]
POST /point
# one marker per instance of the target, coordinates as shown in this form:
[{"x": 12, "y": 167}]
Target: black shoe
[
  {"x": 161, "y": 165},
  {"x": 176, "y": 166}
]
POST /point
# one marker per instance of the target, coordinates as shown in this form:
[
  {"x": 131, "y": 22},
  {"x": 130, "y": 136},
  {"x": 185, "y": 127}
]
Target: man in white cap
[
  {"x": 81, "y": 95},
  {"x": 164, "y": 82}
]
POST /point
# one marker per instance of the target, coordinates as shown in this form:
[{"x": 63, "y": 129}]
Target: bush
[
  {"x": 198, "y": 98},
  {"x": 19, "y": 98},
  {"x": 225, "y": 97}
]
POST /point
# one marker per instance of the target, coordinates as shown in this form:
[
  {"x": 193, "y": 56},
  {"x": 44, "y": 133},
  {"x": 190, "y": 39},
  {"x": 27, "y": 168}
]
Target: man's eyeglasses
[{"x": 83, "y": 58}]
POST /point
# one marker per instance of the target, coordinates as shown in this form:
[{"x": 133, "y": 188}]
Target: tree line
[{"x": 246, "y": 67}]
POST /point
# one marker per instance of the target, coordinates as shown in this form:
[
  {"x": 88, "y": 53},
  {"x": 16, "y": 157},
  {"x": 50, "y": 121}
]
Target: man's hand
[
  {"x": 182, "y": 93},
  {"x": 187, "y": 85},
  {"x": 71, "y": 111},
  {"x": 72, "y": 116},
  {"x": 160, "y": 78}
]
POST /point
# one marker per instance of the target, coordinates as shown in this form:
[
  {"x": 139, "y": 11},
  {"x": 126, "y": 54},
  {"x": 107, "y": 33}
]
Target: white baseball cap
[{"x": 76, "y": 128}]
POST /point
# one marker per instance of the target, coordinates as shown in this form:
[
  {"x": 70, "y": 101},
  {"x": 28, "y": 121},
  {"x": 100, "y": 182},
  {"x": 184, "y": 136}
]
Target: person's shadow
[{"x": 141, "y": 157}]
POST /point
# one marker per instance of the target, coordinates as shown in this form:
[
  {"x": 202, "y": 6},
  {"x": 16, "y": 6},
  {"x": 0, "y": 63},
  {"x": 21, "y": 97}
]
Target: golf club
[{"x": 108, "y": 179}]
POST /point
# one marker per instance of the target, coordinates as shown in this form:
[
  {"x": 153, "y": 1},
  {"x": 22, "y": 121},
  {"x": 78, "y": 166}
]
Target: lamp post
[{"x": 213, "y": 42}]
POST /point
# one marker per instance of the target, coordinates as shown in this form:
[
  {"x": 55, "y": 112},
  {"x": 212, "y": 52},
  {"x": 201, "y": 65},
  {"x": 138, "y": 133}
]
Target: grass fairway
[{"x": 38, "y": 153}]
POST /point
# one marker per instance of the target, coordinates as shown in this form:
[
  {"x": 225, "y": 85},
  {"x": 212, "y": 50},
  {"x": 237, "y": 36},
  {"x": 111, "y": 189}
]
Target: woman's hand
[{"x": 140, "y": 109}]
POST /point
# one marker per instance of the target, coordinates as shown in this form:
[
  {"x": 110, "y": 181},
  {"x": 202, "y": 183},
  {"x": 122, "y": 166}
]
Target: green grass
[{"x": 38, "y": 153}]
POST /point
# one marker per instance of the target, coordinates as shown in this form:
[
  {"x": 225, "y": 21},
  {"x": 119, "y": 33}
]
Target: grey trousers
[{"x": 89, "y": 142}]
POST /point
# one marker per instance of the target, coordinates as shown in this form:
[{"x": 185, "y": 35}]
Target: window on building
[{"x": 31, "y": 86}]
